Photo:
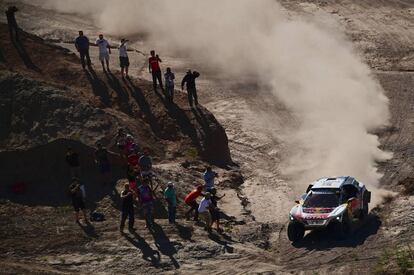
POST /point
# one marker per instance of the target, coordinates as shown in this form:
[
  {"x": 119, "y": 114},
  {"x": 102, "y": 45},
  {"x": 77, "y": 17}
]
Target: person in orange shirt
[{"x": 191, "y": 200}]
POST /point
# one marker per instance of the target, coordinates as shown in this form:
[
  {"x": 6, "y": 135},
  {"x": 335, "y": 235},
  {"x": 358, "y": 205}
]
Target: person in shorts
[
  {"x": 204, "y": 210},
  {"x": 123, "y": 58},
  {"x": 77, "y": 193},
  {"x": 104, "y": 51}
]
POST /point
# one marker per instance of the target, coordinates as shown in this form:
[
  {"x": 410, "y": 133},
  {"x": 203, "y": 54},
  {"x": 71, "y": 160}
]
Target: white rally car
[{"x": 329, "y": 202}]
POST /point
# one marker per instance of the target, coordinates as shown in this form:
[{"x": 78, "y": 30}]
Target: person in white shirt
[
  {"x": 123, "y": 57},
  {"x": 203, "y": 210},
  {"x": 104, "y": 51}
]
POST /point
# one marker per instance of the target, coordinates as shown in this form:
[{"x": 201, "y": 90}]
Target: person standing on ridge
[
  {"x": 189, "y": 79},
  {"x": 123, "y": 57},
  {"x": 127, "y": 197},
  {"x": 155, "y": 69},
  {"x": 104, "y": 51},
  {"x": 82, "y": 46},
  {"x": 169, "y": 84},
  {"x": 12, "y": 23}
]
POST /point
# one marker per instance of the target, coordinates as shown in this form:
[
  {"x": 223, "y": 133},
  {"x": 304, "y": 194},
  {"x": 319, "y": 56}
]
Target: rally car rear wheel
[{"x": 296, "y": 231}]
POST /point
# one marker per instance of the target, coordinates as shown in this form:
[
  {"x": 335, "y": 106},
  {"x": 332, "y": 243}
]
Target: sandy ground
[{"x": 383, "y": 33}]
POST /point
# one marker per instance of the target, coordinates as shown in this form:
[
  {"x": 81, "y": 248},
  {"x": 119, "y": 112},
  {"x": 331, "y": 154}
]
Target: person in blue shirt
[
  {"x": 171, "y": 197},
  {"x": 209, "y": 176},
  {"x": 82, "y": 46}
]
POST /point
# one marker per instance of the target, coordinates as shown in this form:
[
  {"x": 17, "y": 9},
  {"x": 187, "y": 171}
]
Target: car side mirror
[{"x": 350, "y": 200}]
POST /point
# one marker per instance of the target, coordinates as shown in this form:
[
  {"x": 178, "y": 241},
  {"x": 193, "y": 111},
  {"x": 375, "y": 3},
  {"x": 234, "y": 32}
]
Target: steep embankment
[{"x": 48, "y": 103}]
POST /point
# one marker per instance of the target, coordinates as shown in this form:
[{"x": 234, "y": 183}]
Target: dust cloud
[{"x": 307, "y": 64}]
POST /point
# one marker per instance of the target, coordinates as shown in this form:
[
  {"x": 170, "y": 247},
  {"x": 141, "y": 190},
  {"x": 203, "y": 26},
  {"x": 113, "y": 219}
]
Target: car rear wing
[{"x": 367, "y": 196}]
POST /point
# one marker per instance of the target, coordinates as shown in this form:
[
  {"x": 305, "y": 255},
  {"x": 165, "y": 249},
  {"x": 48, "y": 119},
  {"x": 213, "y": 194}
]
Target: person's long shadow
[
  {"x": 21, "y": 50},
  {"x": 89, "y": 230},
  {"x": 324, "y": 239},
  {"x": 122, "y": 94},
  {"x": 201, "y": 119},
  {"x": 219, "y": 239},
  {"x": 98, "y": 86},
  {"x": 181, "y": 118},
  {"x": 137, "y": 94},
  {"x": 2, "y": 58},
  {"x": 163, "y": 243},
  {"x": 148, "y": 253},
  {"x": 184, "y": 232}
]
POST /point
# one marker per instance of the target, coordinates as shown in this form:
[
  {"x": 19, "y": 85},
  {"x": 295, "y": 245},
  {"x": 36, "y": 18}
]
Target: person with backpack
[
  {"x": 170, "y": 196},
  {"x": 189, "y": 80},
  {"x": 127, "y": 208},
  {"x": 146, "y": 199},
  {"x": 82, "y": 46},
  {"x": 191, "y": 200},
  {"x": 77, "y": 193},
  {"x": 104, "y": 51},
  {"x": 169, "y": 84},
  {"x": 155, "y": 69}
]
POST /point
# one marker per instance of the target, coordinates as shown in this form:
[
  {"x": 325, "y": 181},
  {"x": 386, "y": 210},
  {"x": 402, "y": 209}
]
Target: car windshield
[{"x": 328, "y": 200}]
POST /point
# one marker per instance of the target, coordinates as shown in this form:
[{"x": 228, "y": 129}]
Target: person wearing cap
[
  {"x": 204, "y": 210},
  {"x": 189, "y": 81},
  {"x": 123, "y": 57},
  {"x": 191, "y": 200},
  {"x": 171, "y": 197}
]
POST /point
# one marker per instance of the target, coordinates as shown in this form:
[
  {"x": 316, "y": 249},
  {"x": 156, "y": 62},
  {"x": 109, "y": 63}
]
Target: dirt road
[{"x": 383, "y": 33}]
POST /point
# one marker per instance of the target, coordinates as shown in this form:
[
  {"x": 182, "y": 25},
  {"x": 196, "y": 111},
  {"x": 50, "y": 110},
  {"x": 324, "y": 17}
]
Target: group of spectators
[
  {"x": 82, "y": 46},
  {"x": 142, "y": 185}
]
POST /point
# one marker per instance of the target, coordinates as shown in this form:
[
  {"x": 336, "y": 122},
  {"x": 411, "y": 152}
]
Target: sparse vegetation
[{"x": 399, "y": 261}]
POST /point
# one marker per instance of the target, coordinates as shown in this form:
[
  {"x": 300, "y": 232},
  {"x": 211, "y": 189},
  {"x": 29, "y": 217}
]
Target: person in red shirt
[
  {"x": 154, "y": 68},
  {"x": 191, "y": 200}
]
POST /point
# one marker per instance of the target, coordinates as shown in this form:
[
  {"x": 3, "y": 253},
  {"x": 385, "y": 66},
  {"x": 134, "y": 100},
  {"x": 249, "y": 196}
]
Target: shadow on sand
[{"x": 324, "y": 239}]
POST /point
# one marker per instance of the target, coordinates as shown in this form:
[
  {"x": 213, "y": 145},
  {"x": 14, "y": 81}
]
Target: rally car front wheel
[{"x": 295, "y": 231}]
